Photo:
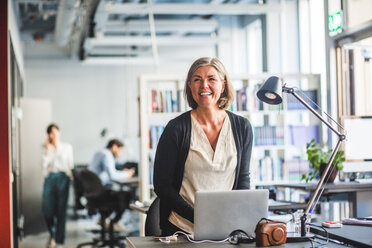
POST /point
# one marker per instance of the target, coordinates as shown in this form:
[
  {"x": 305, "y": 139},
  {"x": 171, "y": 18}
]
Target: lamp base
[{"x": 291, "y": 238}]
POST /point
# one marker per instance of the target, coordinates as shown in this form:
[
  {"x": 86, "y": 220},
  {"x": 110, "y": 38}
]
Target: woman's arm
[
  {"x": 168, "y": 172},
  {"x": 246, "y": 152}
]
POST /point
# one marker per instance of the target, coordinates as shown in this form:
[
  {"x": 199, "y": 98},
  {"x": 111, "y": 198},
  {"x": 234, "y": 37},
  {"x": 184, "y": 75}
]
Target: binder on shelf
[
  {"x": 151, "y": 170},
  {"x": 154, "y": 134},
  {"x": 174, "y": 101},
  {"x": 310, "y": 96},
  {"x": 168, "y": 99},
  {"x": 300, "y": 135},
  {"x": 241, "y": 99},
  {"x": 269, "y": 169},
  {"x": 295, "y": 167},
  {"x": 266, "y": 136}
]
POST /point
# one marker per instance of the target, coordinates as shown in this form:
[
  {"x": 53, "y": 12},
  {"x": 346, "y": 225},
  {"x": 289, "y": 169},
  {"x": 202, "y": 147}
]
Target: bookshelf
[{"x": 280, "y": 132}]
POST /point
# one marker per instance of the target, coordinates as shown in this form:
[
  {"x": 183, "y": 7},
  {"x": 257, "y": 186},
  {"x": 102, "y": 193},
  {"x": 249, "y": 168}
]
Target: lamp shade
[{"x": 271, "y": 91}]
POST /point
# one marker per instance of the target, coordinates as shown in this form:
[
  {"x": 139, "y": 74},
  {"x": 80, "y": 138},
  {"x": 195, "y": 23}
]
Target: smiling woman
[
  {"x": 207, "y": 148},
  {"x": 215, "y": 72},
  {"x": 206, "y": 86}
]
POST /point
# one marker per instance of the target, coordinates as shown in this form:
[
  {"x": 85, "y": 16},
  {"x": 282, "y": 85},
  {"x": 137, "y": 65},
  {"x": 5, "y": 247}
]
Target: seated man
[{"x": 103, "y": 165}]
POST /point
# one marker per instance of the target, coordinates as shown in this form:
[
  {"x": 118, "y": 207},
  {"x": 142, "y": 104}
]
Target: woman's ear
[{"x": 224, "y": 86}]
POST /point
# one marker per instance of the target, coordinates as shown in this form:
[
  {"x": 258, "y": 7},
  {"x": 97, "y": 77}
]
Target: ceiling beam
[
  {"x": 146, "y": 41},
  {"x": 131, "y": 61},
  {"x": 193, "y": 25},
  {"x": 197, "y": 9}
]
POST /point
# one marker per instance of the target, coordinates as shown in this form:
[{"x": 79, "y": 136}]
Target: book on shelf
[
  {"x": 310, "y": 96},
  {"x": 242, "y": 99},
  {"x": 268, "y": 169},
  {"x": 268, "y": 135},
  {"x": 154, "y": 135},
  {"x": 167, "y": 101},
  {"x": 295, "y": 167},
  {"x": 301, "y": 135},
  {"x": 151, "y": 170},
  {"x": 257, "y": 104}
]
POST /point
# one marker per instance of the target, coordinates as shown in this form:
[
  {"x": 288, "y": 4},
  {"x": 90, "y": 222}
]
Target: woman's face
[
  {"x": 206, "y": 86},
  {"x": 54, "y": 135}
]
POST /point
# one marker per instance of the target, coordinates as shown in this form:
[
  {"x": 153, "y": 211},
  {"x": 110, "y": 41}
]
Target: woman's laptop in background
[{"x": 218, "y": 213}]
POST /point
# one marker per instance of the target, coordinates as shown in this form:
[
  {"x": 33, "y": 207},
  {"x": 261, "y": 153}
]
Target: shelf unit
[{"x": 280, "y": 133}]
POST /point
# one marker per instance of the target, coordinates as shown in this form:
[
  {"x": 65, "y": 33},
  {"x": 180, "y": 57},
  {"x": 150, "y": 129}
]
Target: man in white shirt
[
  {"x": 103, "y": 165},
  {"x": 57, "y": 162}
]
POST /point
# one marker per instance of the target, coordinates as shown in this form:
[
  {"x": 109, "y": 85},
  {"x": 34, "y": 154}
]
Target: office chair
[
  {"x": 152, "y": 223},
  {"x": 99, "y": 200}
]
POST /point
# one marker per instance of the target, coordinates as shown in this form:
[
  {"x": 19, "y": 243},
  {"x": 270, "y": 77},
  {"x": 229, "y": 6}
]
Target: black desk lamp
[{"x": 271, "y": 93}]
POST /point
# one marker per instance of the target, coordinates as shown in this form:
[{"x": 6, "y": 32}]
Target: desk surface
[
  {"x": 331, "y": 187},
  {"x": 359, "y": 236},
  {"x": 132, "y": 180},
  {"x": 142, "y": 242},
  {"x": 272, "y": 206}
]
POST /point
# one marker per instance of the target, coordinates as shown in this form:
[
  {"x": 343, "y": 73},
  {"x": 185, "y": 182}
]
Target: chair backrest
[
  {"x": 91, "y": 184},
  {"x": 152, "y": 224}
]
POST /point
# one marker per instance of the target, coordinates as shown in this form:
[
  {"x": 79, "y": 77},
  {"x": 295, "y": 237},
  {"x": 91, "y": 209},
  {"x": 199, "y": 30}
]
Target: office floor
[{"x": 77, "y": 231}]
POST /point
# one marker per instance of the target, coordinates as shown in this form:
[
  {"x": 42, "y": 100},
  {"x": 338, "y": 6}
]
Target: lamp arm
[
  {"x": 341, "y": 137},
  {"x": 319, "y": 187},
  {"x": 292, "y": 91}
]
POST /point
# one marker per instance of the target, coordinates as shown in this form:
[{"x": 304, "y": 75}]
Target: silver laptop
[{"x": 218, "y": 213}]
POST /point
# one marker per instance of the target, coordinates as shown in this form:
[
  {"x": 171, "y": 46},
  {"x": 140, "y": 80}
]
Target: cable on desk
[
  {"x": 327, "y": 238},
  {"x": 173, "y": 237}
]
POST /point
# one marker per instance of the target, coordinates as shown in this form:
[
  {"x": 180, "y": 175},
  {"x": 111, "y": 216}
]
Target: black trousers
[
  {"x": 110, "y": 202},
  {"x": 54, "y": 204},
  {"x": 120, "y": 201}
]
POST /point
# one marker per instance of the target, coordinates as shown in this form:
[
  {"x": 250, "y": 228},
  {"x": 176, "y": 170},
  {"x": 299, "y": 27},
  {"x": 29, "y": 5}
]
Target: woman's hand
[{"x": 48, "y": 147}]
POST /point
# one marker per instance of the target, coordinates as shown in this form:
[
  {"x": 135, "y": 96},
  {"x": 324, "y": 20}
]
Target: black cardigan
[{"x": 170, "y": 158}]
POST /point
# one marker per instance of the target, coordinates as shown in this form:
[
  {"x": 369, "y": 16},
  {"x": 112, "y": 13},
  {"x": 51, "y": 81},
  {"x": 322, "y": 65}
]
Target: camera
[{"x": 270, "y": 233}]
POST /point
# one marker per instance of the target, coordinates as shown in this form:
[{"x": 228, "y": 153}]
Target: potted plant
[{"x": 318, "y": 159}]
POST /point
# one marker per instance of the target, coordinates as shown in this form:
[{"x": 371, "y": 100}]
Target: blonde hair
[{"x": 227, "y": 95}]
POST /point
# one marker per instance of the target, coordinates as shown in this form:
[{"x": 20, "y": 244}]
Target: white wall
[
  {"x": 358, "y": 12},
  {"x": 87, "y": 98}
]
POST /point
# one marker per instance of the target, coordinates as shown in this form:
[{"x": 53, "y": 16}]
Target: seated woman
[{"x": 207, "y": 148}]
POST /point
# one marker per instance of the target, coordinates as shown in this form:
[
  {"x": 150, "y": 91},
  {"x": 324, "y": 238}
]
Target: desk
[
  {"x": 145, "y": 242},
  {"x": 358, "y": 194},
  {"x": 359, "y": 236},
  {"x": 133, "y": 181},
  {"x": 130, "y": 184},
  {"x": 277, "y": 205}
]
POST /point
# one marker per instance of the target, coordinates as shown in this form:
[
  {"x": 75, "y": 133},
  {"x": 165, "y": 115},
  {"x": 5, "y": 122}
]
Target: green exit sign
[{"x": 335, "y": 22}]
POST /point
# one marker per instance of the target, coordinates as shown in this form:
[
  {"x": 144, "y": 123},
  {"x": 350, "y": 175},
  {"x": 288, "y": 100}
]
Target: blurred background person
[
  {"x": 104, "y": 165},
  {"x": 57, "y": 165}
]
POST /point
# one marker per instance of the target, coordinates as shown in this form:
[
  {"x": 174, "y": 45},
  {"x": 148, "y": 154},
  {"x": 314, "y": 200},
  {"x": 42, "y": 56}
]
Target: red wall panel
[{"x": 5, "y": 211}]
